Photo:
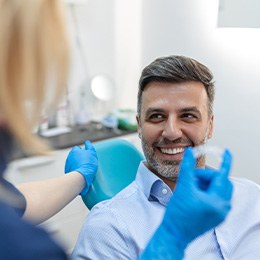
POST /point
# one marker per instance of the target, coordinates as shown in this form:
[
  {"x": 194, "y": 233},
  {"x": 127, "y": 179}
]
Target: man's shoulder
[
  {"x": 246, "y": 197},
  {"x": 107, "y": 230},
  {"x": 245, "y": 185},
  {"x": 109, "y": 222},
  {"x": 130, "y": 196}
]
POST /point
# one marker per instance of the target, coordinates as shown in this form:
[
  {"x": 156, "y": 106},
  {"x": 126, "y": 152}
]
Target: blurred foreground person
[{"x": 34, "y": 63}]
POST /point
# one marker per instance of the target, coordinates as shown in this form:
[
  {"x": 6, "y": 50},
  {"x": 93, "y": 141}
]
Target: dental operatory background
[{"x": 113, "y": 40}]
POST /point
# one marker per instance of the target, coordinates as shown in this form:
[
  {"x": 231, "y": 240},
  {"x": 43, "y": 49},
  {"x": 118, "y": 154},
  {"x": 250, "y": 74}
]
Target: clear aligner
[{"x": 205, "y": 149}]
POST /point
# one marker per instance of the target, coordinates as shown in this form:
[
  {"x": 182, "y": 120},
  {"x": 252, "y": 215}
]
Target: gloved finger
[
  {"x": 76, "y": 148},
  {"x": 186, "y": 173},
  {"x": 224, "y": 169},
  {"x": 67, "y": 167},
  {"x": 89, "y": 146},
  {"x": 226, "y": 163},
  {"x": 221, "y": 187},
  {"x": 204, "y": 177},
  {"x": 229, "y": 190},
  {"x": 205, "y": 174},
  {"x": 209, "y": 173},
  {"x": 221, "y": 184}
]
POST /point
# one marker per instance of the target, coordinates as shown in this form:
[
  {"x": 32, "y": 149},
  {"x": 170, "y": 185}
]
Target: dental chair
[{"x": 118, "y": 161}]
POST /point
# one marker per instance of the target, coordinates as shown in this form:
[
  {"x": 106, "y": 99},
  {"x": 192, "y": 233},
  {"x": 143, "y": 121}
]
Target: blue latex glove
[
  {"x": 200, "y": 202},
  {"x": 83, "y": 161}
]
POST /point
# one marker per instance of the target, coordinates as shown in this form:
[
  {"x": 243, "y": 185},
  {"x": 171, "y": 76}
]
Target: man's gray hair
[{"x": 177, "y": 69}]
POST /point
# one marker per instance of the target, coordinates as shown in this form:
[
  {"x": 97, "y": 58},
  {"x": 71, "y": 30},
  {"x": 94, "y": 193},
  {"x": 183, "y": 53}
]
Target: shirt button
[{"x": 164, "y": 191}]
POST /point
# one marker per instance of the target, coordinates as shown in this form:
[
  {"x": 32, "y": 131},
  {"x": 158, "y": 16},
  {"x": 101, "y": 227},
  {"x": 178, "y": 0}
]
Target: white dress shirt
[{"x": 120, "y": 228}]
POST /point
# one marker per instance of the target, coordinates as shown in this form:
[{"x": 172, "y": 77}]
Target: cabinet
[{"x": 65, "y": 225}]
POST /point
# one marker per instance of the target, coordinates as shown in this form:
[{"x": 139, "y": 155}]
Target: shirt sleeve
[
  {"x": 104, "y": 236},
  {"x": 20, "y": 204}
]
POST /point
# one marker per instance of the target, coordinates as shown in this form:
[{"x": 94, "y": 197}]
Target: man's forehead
[
  {"x": 164, "y": 91},
  {"x": 181, "y": 97},
  {"x": 187, "y": 85}
]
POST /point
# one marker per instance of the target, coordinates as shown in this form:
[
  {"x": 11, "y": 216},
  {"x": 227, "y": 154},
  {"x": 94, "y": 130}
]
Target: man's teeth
[{"x": 172, "y": 151}]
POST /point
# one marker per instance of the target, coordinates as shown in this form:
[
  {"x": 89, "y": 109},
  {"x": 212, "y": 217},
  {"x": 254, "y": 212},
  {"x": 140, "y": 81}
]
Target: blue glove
[
  {"x": 83, "y": 161},
  {"x": 200, "y": 202}
]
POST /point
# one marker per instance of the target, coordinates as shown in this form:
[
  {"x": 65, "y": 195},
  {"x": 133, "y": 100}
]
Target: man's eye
[
  {"x": 156, "y": 117},
  {"x": 189, "y": 116}
]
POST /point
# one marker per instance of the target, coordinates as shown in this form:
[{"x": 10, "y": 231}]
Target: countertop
[{"x": 93, "y": 131}]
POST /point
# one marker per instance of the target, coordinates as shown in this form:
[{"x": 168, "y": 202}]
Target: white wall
[
  {"x": 110, "y": 35},
  {"x": 128, "y": 52},
  {"x": 96, "y": 35}
]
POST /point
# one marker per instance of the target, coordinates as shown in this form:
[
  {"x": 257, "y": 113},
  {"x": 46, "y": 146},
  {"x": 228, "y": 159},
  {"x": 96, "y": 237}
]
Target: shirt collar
[{"x": 153, "y": 187}]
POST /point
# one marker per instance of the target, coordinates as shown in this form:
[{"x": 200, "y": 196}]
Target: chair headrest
[{"x": 118, "y": 161}]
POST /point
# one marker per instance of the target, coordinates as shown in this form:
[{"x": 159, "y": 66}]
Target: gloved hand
[
  {"x": 83, "y": 161},
  {"x": 201, "y": 201}
]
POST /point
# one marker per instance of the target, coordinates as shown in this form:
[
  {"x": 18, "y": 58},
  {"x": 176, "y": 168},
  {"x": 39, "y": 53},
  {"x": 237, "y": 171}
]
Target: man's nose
[{"x": 172, "y": 130}]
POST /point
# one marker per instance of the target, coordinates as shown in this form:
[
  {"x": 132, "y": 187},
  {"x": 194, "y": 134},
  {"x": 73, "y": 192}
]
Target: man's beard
[{"x": 167, "y": 168}]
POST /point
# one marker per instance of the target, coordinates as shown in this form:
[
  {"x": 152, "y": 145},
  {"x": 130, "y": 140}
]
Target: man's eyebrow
[
  {"x": 152, "y": 110},
  {"x": 190, "y": 109}
]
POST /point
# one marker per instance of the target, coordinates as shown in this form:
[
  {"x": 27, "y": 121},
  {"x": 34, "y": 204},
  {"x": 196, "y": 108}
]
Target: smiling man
[
  {"x": 175, "y": 111},
  {"x": 173, "y": 116}
]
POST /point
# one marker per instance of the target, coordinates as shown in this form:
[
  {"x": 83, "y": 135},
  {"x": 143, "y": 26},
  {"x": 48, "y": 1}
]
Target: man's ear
[
  {"x": 211, "y": 126},
  {"x": 138, "y": 120}
]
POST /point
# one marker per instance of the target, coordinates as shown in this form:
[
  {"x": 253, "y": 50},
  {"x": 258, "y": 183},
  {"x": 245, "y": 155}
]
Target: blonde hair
[{"x": 33, "y": 53}]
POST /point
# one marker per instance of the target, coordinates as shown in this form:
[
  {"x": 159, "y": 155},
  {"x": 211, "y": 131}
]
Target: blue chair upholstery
[{"x": 118, "y": 161}]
